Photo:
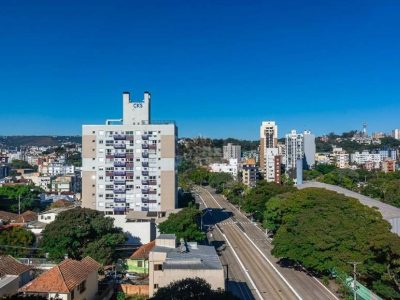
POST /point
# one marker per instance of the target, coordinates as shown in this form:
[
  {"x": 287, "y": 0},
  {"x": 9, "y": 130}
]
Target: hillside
[{"x": 30, "y": 140}]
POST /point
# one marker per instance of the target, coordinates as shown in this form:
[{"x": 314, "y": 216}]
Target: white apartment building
[
  {"x": 294, "y": 149},
  {"x": 231, "y": 167},
  {"x": 396, "y": 134},
  {"x": 341, "y": 158},
  {"x": 309, "y": 149},
  {"x": 129, "y": 164},
  {"x": 232, "y": 151},
  {"x": 366, "y": 157},
  {"x": 269, "y": 152}
]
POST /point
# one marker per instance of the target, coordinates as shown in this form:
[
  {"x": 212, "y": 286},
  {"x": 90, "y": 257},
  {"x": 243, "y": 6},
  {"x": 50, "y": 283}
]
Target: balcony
[
  {"x": 145, "y": 182},
  {"x": 145, "y": 173},
  {"x": 145, "y": 209},
  {"x": 129, "y": 155},
  {"x": 153, "y": 146},
  {"x": 153, "y": 192},
  {"x": 145, "y": 146},
  {"x": 119, "y": 180},
  {"x": 119, "y": 146},
  {"x": 119, "y": 200},
  {"x": 146, "y": 200},
  {"x": 109, "y": 173},
  {"x": 152, "y": 182},
  {"x": 119, "y": 191},
  {"x": 145, "y": 155},
  {"x": 119, "y": 173},
  {"x": 129, "y": 165},
  {"x": 119, "y": 209},
  {"x": 145, "y": 191},
  {"x": 109, "y": 156},
  {"x": 145, "y": 137},
  {"x": 130, "y": 138},
  {"x": 145, "y": 164},
  {"x": 119, "y": 164},
  {"x": 119, "y": 137},
  {"x": 119, "y": 155}
]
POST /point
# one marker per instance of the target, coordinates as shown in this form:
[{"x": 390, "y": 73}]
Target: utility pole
[
  {"x": 354, "y": 263},
  {"x": 19, "y": 204}
]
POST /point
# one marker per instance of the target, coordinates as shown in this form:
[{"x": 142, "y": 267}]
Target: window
[
  {"x": 158, "y": 267},
  {"x": 82, "y": 286},
  {"x": 156, "y": 286},
  {"x": 72, "y": 295},
  {"x": 140, "y": 264}
]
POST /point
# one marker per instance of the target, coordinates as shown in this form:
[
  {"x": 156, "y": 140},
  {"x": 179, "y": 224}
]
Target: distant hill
[{"x": 36, "y": 140}]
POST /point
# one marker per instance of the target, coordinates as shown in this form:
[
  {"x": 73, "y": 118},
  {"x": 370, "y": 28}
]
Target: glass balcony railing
[
  {"x": 119, "y": 164},
  {"x": 119, "y": 155},
  {"x": 119, "y": 146},
  {"x": 119, "y": 200},
  {"x": 119, "y": 191},
  {"x": 119, "y": 137}
]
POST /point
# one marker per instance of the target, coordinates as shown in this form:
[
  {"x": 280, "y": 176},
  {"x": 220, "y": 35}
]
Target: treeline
[
  {"x": 375, "y": 184},
  {"x": 33, "y": 140}
]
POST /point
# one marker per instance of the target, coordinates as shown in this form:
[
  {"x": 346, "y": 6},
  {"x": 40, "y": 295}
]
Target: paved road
[{"x": 252, "y": 252}]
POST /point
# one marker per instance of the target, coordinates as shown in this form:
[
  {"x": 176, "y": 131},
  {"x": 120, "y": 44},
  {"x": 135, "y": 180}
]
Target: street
[{"x": 247, "y": 252}]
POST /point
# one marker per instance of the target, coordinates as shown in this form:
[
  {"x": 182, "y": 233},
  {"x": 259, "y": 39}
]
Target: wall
[
  {"x": 138, "y": 232},
  {"x": 130, "y": 289}
]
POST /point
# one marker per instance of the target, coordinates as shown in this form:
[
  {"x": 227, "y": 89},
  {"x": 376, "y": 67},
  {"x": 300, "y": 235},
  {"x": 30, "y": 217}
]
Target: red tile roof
[
  {"x": 62, "y": 278},
  {"x": 143, "y": 251},
  {"x": 10, "y": 266}
]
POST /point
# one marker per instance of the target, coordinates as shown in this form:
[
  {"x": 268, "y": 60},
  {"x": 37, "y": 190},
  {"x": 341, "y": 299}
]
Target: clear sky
[{"x": 218, "y": 68}]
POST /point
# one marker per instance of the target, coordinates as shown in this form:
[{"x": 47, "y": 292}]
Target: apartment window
[
  {"x": 158, "y": 267},
  {"x": 140, "y": 264},
  {"x": 156, "y": 286}
]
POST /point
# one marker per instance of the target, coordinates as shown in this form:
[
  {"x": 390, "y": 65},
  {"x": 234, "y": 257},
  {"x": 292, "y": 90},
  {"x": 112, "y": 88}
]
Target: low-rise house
[
  {"x": 138, "y": 262},
  {"x": 25, "y": 217},
  {"x": 13, "y": 275},
  {"x": 50, "y": 215},
  {"x": 168, "y": 263},
  {"x": 69, "y": 280}
]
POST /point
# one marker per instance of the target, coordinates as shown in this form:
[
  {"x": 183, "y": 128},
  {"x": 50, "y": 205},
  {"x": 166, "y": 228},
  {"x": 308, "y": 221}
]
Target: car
[{"x": 132, "y": 276}]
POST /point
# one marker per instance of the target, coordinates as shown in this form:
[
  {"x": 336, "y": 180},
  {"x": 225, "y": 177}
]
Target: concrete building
[
  {"x": 249, "y": 173},
  {"x": 129, "y": 164},
  {"x": 64, "y": 184},
  {"x": 232, "y": 151},
  {"x": 169, "y": 263},
  {"x": 309, "y": 149},
  {"x": 4, "y": 171},
  {"x": 231, "y": 167},
  {"x": 294, "y": 149},
  {"x": 388, "y": 166},
  {"x": 341, "y": 158},
  {"x": 396, "y": 134},
  {"x": 373, "y": 160},
  {"x": 269, "y": 151}
]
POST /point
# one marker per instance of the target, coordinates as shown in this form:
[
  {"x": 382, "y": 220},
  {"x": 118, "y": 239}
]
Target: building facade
[
  {"x": 232, "y": 151},
  {"x": 396, "y": 134},
  {"x": 249, "y": 173},
  {"x": 309, "y": 149},
  {"x": 269, "y": 151},
  {"x": 294, "y": 149},
  {"x": 230, "y": 168},
  {"x": 129, "y": 164}
]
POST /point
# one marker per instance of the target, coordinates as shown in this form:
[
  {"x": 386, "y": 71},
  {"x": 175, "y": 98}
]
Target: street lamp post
[{"x": 354, "y": 263}]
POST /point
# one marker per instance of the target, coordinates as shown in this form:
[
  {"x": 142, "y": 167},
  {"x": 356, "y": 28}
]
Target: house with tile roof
[
  {"x": 69, "y": 280},
  {"x": 13, "y": 275},
  {"x": 138, "y": 262}
]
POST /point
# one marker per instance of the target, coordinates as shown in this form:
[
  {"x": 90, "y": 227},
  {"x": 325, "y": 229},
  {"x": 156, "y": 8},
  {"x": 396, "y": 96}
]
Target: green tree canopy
[
  {"x": 16, "y": 241},
  {"x": 191, "y": 288},
  {"x": 322, "y": 230},
  {"x": 218, "y": 180},
  {"x": 80, "y": 232},
  {"x": 29, "y": 197},
  {"x": 184, "y": 224}
]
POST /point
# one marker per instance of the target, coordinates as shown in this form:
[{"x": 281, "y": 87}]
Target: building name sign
[{"x": 137, "y": 105}]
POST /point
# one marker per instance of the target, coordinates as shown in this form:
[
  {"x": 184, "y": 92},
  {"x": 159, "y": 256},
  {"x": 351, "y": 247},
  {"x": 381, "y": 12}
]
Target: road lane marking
[{"x": 241, "y": 263}]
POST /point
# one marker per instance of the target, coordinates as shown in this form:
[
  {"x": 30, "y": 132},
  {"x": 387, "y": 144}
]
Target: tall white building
[
  {"x": 309, "y": 149},
  {"x": 128, "y": 164},
  {"x": 396, "y": 134},
  {"x": 294, "y": 149},
  {"x": 232, "y": 151},
  {"x": 269, "y": 153}
]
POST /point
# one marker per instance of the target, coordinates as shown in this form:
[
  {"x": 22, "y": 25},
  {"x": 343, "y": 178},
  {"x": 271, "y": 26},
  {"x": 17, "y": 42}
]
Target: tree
[
  {"x": 218, "y": 180},
  {"x": 80, "y": 232},
  {"x": 20, "y": 164},
  {"x": 199, "y": 176},
  {"x": 29, "y": 195},
  {"x": 191, "y": 288},
  {"x": 15, "y": 241},
  {"x": 184, "y": 224},
  {"x": 255, "y": 200},
  {"x": 322, "y": 230}
]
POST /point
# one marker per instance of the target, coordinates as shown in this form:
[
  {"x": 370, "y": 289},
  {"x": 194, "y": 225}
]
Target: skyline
[{"x": 223, "y": 69}]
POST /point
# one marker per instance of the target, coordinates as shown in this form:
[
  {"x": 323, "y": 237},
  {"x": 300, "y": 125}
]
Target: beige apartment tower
[
  {"x": 128, "y": 164},
  {"x": 269, "y": 151}
]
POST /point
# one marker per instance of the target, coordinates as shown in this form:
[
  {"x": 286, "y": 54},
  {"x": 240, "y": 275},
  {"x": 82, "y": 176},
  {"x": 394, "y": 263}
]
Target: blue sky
[{"x": 218, "y": 68}]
